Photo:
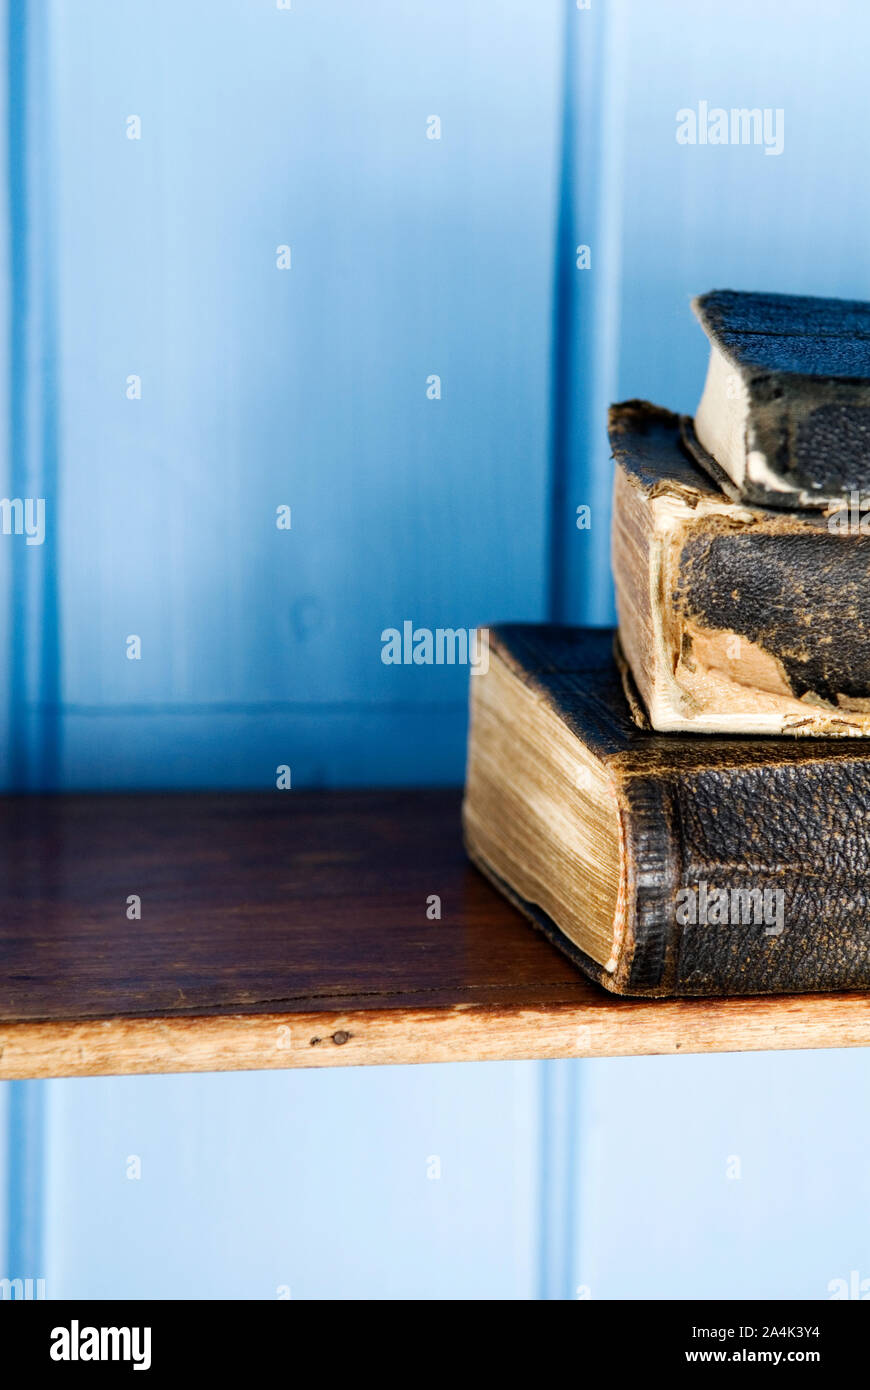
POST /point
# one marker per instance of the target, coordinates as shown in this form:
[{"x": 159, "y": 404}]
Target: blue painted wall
[
  {"x": 263, "y": 127},
  {"x": 157, "y": 258},
  {"x": 388, "y": 1182},
  {"x": 409, "y": 257}
]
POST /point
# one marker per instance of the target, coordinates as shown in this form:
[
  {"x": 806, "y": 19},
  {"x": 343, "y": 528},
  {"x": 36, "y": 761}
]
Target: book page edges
[{"x": 542, "y": 810}]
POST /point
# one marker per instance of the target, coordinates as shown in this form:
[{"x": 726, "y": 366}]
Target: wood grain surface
[{"x": 291, "y": 930}]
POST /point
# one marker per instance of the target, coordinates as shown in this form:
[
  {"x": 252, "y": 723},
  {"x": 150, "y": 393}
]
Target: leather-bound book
[
  {"x": 733, "y": 618},
  {"x": 784, "y": 420},
  {"x": 664, "y": 864}
]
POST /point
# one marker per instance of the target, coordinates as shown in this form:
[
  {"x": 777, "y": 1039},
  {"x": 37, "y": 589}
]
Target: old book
[
  {"x": 663, "y": 865},
  {"x": 785, "y": 416},
  {"x": 732, "y": 618}
]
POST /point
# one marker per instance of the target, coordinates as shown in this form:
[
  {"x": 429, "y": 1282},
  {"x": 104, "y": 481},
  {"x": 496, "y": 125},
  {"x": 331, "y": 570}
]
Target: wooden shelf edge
[{"x": 465, "y": 1033}]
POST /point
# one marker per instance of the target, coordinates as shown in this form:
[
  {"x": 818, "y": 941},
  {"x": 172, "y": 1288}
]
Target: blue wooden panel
[
  {"x": 14, "y": 555},
  {"x": 586, "y": 344},
  {"x": 732, "y": 1177},
  {"x": 157, "y": 258},
  {"x": 9, "y": 343},
  {"x": 389, "y": 1182},
  {"x": 409, "y": 257}
]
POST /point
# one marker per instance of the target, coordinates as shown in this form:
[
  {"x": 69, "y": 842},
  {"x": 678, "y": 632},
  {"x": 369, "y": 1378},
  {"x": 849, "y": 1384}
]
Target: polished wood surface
[{"x": 292, "y": 929}]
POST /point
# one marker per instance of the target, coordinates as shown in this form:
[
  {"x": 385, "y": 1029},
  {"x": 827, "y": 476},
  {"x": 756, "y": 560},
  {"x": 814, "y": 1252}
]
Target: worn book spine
[
  {"x": 759, "y": 882},
  {"x": 747, "y": 881}
]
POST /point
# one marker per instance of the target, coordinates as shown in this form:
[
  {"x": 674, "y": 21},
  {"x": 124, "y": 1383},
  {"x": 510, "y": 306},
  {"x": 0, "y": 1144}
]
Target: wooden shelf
[{"x": 290, "y": 930}]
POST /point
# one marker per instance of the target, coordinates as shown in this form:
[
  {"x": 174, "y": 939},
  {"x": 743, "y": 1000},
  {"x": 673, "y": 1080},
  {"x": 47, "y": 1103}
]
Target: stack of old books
[{"x": 685, "y": 809}]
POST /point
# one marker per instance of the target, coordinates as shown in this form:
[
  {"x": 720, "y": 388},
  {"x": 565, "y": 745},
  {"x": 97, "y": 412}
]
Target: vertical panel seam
[{"x": 25, "y": 1191}]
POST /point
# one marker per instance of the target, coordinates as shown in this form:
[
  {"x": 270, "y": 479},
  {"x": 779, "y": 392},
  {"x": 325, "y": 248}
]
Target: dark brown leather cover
[
  {"x": 782, "y": 814},
  {"x": 784, "y": 581}
]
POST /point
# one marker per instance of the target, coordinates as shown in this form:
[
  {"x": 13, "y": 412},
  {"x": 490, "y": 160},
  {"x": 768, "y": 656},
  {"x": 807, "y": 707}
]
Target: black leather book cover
[
  {"x": 776, "y": 824},
  {"x": 804, "y": 364}
]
